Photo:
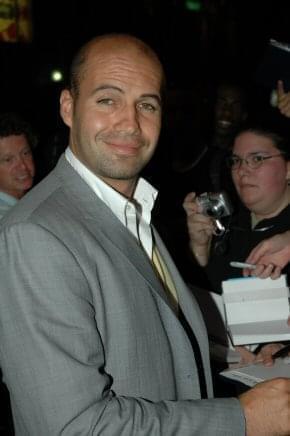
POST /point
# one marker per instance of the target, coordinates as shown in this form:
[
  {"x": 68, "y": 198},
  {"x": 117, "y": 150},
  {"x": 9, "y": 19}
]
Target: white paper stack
[
  {"x": 252, "y": 374},
  {"x": 257, "y": 309}
]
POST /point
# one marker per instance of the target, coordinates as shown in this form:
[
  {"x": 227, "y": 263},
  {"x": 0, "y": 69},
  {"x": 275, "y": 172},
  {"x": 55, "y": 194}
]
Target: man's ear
[
  {"x": 66, "y": 107},
  {"x": 288, "y": 172}
]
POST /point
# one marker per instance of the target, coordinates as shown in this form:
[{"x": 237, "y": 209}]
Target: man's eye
[
  {"x": 6, "y": 160},
  {"x": 105, "y": 101},
  {"x": 149, "y": 107}
]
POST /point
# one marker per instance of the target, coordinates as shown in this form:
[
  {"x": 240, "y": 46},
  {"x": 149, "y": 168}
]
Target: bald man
[{"x": 98, "y": 332}]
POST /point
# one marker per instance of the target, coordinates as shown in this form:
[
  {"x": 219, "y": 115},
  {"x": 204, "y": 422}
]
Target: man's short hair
[{"x": 12, "y": 124}]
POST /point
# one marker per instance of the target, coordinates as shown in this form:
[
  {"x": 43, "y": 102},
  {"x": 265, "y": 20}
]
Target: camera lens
[
  {"x": 210, "y": 212},
  {"x": 216, "y": 210}
]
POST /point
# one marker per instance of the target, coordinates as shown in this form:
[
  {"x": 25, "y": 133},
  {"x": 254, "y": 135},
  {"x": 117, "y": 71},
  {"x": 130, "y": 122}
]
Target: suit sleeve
[{"x": 53, "y": 358}]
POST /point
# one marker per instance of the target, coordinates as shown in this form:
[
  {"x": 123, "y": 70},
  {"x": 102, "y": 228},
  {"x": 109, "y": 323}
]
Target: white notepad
[
  {"x": 250, "y": 375},
  {"x": 256, "y": 309}
]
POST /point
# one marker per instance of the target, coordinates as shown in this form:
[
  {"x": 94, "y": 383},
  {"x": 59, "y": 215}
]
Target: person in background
[
  {"x": 98, "y": 332},
  {"x": 272, "y": 255},
  {"x": 198, "y": 163},
  {"x": 260, "y": 170},
  {"x": 16, "y": 160},
  {"x": 229, "y": 114},
  {"x": 199, "y": 159},
  {"x": 16, "y": 178},
  {"x": 260, "y": 166}
]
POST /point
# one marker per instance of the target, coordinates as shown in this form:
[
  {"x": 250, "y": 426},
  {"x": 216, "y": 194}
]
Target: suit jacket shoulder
[{"x": 89, "y": 342}]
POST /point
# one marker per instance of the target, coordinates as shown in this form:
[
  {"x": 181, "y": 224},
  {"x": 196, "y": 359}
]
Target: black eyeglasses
[{"x": 253, "y": 161}]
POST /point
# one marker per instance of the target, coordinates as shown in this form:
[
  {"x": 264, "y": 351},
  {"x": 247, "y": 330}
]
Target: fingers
[
  {"x": 280, "y": 89},
  {"x": 246, "y": 355},
  {"x": 266, "y": 408},
  {"x": 266, "y": 353},
  {"x": 270, "y": 256},
  {"x": 247, "y": 272},
  {"x": 189, "y": 204},
  {"x": 259, "y": 251},
  {"x": 263, "y": 271},
  {"x": 200, "y": 228},
  {"x": 284, "y": 106},
  {"x": 283, "y": 99},
  {"x": 190, "y": 197},
  {"x": 276, "y": 273}
]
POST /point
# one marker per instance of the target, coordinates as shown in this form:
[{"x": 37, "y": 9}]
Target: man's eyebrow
[
  {"x": 154, "y": 96},
  {"x": 116, "y": 88},
  {"x": 231, "y": 99},
  {"x": 107, "y": 86}
]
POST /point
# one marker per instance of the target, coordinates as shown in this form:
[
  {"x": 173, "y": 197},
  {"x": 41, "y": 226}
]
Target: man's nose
[
  {"x": 226, "y": 110},
  {"x": 22, "y": 163},
  {"x": 129, "y": 120}
]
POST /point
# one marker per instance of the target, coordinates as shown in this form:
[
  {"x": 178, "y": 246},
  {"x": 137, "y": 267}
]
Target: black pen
[{"x": 281, "y": 353}]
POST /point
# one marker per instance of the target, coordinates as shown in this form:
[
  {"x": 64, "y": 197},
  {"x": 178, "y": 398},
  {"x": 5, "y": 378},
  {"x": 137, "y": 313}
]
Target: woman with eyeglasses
[
  {"x": 271, "y": 255},
  {"x": 260, "y": 169}
]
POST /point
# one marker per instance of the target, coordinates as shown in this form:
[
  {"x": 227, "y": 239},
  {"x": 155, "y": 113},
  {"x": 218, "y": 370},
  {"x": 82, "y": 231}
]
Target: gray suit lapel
[
  {"x": 106, "y": 228},
  {"x": 185, "y": 296},
  {"x": 99, "y": 219}
]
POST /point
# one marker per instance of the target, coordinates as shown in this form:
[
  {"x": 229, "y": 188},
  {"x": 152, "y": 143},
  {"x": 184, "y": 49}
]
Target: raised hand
[
  {"x": 200, "y": 229},
  {"x": 270, "y": 256},
  {"x": 283, "y": 99}
]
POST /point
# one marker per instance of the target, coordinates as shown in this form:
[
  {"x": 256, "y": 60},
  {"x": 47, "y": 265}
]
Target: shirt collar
[
  {"x": 9, "y": 199},
  {"x": 144, "y": 196}
]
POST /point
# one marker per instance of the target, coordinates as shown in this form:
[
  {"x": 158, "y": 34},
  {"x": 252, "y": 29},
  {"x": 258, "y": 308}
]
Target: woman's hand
[
  {"x": 200, "y": 229},
  {"x": 270, "y": 256},
  {"x": 266, "y": 352},
  {"x": 283, "y": 99},
  {"x": 263, "y": 356}
]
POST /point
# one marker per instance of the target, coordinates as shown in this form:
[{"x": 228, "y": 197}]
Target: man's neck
[{"x": 124, "y": 187}]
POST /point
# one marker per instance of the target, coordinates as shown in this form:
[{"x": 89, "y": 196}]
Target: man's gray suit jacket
[{"x": 89, "y": 344}]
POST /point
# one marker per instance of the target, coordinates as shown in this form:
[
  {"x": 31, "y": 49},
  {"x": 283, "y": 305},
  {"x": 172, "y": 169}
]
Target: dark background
[{"x": 224, "y": 38}]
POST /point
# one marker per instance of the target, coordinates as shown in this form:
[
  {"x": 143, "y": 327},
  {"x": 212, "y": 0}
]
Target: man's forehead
[
  {"x": 118, "y": 74},
  {"x": 231, "y": 94},
  {"x": 13, "y": 142},
  {"x": 113, "y": 59}
]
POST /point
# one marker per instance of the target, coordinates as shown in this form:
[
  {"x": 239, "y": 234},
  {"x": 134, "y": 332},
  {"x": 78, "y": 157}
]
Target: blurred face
[
  {"x": 228, "y": 110},
  {"x": 115, "y": 119},
  {"x": 263, "y": 190},
  {"x": 16, "y": 165}
]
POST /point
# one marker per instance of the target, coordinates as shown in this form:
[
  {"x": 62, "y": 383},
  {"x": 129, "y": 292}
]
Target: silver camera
[{"x": 216, "y": 205}]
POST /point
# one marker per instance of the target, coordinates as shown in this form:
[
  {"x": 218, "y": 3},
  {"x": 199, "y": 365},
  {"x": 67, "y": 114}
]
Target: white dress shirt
[
  {"x": 6, "y": 202},
  {"x": 134, "y": 214}
]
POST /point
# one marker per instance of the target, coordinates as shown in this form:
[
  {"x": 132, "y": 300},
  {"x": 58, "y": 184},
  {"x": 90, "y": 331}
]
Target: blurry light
[
  {"x": 56, "y": 76},
  {"x": 193, "y": 5}
]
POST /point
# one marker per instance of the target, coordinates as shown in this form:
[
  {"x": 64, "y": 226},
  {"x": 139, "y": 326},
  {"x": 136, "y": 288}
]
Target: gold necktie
[{"x": 163, "y": 273}]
